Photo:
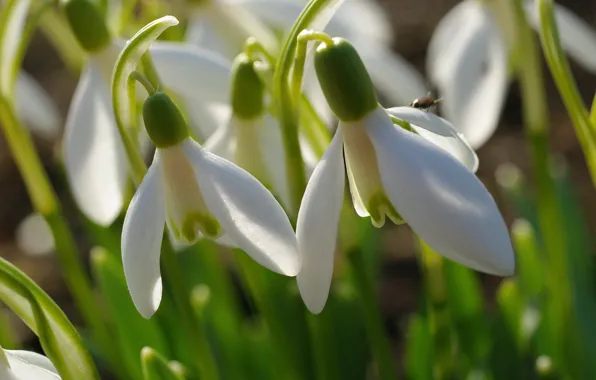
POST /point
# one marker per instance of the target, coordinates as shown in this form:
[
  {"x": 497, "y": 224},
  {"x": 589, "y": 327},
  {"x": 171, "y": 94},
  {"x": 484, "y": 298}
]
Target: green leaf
[
  {"x": 134, "y": 332},
  {"x": 13, "y": 20},
  {"x": 156, "y": 367},
  {"x": 466, "y": 308},
  {"x": 58, "y": 337},
  {"x": 419, "y": 347},
  {"x": 530, "y": 267}
]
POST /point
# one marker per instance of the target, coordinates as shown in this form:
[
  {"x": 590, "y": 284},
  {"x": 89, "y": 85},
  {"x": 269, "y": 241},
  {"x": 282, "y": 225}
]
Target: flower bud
[
  {"x": 87, "y": 24},
  {"x": 345, "y": 82},
  {"x": 248, "y": 91},
  {"x": 163, "y": 120}
]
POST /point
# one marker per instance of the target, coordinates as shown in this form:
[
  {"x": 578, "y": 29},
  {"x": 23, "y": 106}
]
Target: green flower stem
[
  {"x": 536, "y": 126},
  {"x": 265, "y": 290},
  {"x": 559, "y": 67},
  {"x": 304, "y": 38},
  {"x": 180, "y": 292},
  {"x": 288, "y": 114},
  {"x": 373, "y": 319},
  {"x": 593, "y": 114},
  {"x": 46, "y": 203},
  {"x": 59, "y": 34}
]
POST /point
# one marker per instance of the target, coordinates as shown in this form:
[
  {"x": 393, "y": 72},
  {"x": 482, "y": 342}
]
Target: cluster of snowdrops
[{"x": 240, "y": 126}]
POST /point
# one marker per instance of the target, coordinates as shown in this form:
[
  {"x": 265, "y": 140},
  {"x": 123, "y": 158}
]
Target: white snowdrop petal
[
  {"x": 576, "y": 36},
  {"x": 440, "y": 132},
  {"x": 200, "y": 77},
  {"x": 93, "y": 151},
  {"x": 29, "y": 365},
  {"x": 366, "y": 19},
  {"x": 223, "y": 141},
  {"x": 142, "y": 235},
  {"x": 36, "y": 107},
  {"x": 452, "y": 32},
  {"x": 247, "y": 212},
  {"x": 272, "y": 148},
  {"x": 395, "y": 78},
  {"x": 318, "y": 221},
  {"x": 32, "y": 358},
  {"x": 475, "y": 91},
  {"x": 443, "y": 202}
]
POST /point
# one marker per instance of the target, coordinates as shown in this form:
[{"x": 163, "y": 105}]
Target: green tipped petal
[
  {"x": 248, "y": 90},
  {"x": 163, "y": 120},
  {"x": 378, "y": 206},
  {"x": 199, "y": 221},
  {"x": 87, "y": 24},
  {"x": 345, "y": 82}
]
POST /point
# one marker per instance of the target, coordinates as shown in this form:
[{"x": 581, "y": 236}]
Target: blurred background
[{"x": 400, "y": 280}]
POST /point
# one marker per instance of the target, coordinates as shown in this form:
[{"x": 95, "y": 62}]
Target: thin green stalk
[
  {"x": 46, "y": 203},
  {"x": 373, "y": 320},
  {"x": 288, "y": 113},
  {"x": 559, "y": 67},
  {"x": 324, "y": 352},
  {"x": 180, "y": 292},
  {"x": 593, "y": 114},
  {"x": 535, "y": 115},
  {"x": 263, "y": 290}
]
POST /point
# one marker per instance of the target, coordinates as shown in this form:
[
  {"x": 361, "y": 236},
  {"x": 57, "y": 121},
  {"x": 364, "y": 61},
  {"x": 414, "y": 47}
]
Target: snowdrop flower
[
  {"x": 252, "y": 137},
  {"x": 356, "y": 20},
  {"x": 468, "y": 61},
  {"x": 391, "y": 172},
  {"x": 26, "y": 365},
  {"x": 36, "y": 107},
  {"x": 197, "y": 193},
  {"x": 93, "y": 152}
]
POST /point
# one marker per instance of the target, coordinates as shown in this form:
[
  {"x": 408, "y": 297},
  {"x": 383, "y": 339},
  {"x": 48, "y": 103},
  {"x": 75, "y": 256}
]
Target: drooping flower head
[
  {"x": 393, "y": 173},
  {"x": 93, "y": 152},
  {"x": 196, "y": 193}
]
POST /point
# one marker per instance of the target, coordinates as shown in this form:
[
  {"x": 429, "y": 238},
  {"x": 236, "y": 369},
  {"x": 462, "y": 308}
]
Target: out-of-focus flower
[
  {"x": 36, "y": 107},
  {"x": 468, "y": 57},
  {"x": 395, "y": 173},
  {"x": 26, "y": 365},
  {"x": 197, "y": 193},
  {"x": 252, "y": 137},
  {"x": 34, "y": 236},
  {"x": 93, "y": 152},
  {"x": 356, "y": 20}
]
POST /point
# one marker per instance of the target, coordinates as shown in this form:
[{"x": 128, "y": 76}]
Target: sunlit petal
[
  {"x": 247, "y": 211},
  {"x": 36, "y": 107},
  {"x": 25, "y": 365},
  {"x": 223, "y": 142},
  {"x": 93, "y": 152},
  {"x": 440, "y": 132},
  {"x": 142, "y": 235},
  {"x": 318, "y": 221},
  {"x": 31, "y": 358},
  {"x": 443, "y": 202},
  {"x": 450, "y": 36},
  {"x": 395, "y": 78},
  {"x": 274, "y": 158},
  {"x": 200, "y": 77},
  {"x": 474, "y": 91},
  {"x": 576, "y": 36}
]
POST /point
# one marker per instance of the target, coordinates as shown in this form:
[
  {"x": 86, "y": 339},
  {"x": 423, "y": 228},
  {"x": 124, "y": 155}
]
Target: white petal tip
[
  {"x": 148, "y": 306},
  {"x": 314, "y": 298},
  {"x": 291, "y": 267}
]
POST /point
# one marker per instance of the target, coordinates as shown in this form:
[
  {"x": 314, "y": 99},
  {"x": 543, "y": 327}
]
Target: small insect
[{"x": 425, "y": 103}]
